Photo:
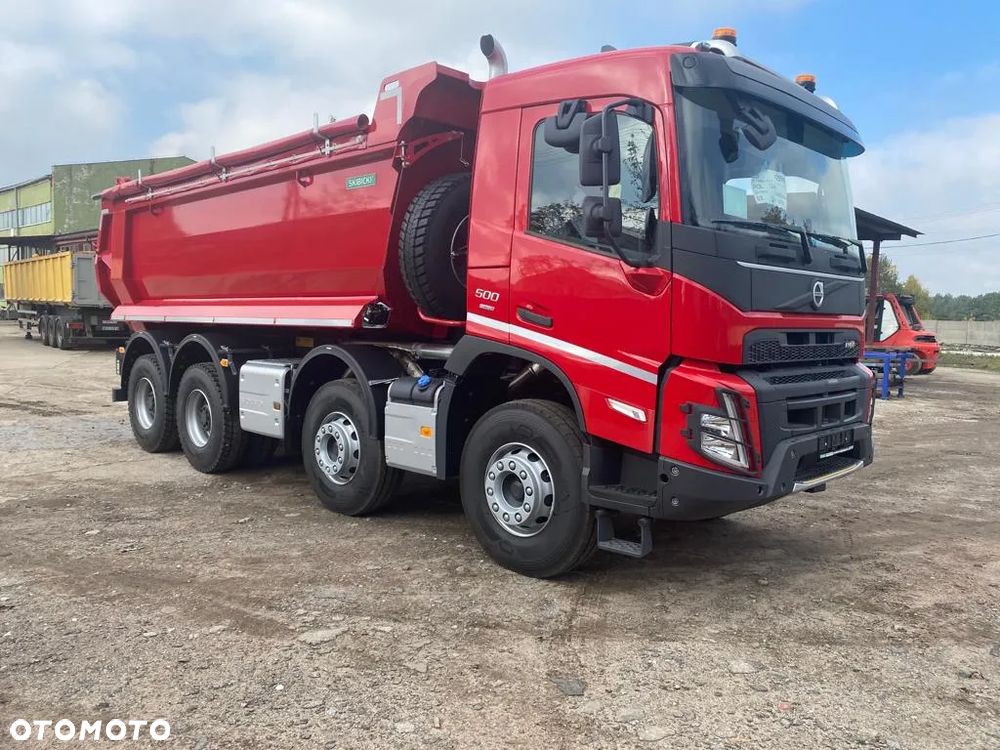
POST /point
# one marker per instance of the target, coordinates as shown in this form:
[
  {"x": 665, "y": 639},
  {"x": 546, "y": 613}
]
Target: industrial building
[{"x": 57, "y": 211}]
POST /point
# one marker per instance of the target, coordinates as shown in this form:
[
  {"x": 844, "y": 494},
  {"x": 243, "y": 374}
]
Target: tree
[
  {"x": 922, "y": 299},
  {"x": 888, "y": 276}
]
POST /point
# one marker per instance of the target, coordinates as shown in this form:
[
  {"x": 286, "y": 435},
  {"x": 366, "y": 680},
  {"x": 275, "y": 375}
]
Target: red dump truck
[{"x": 599, "y": 292}]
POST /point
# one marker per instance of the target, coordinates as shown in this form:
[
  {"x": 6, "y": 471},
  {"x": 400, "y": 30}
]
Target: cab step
[{"x": 607, "y": 541}]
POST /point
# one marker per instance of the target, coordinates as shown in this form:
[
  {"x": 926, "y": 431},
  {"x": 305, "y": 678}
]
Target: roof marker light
[{"x": 725, "y": 34}]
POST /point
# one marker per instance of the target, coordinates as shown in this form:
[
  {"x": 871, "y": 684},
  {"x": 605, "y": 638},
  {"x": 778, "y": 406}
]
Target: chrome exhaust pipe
[{"x": 495, "y": 55}]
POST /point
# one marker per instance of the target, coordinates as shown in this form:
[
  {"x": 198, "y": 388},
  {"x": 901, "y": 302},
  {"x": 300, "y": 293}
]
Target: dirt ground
[{"x": 247, "y": 616}]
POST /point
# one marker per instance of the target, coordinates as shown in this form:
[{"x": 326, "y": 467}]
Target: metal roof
[{"x": 873, "y": 227}]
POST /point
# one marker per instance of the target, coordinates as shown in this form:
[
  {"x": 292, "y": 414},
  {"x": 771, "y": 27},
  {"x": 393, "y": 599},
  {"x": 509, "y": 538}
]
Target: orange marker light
[
  {"x": 725, "y": 34},
  {"x": 806, "y": 81},
  {"x": 224, "y": 362},
  {"x": 426, "y": 432}
]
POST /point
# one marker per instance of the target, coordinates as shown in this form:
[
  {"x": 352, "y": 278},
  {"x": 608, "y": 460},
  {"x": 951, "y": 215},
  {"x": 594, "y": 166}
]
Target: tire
[
  {"x": 59, "y": 336},
  {"x": 211, "y": 439},
  {"x": 543, "y": 438},
  {"x": 354, "y": 482},
  {"x": 435, "y": 282},
  {"x": 43, "y": 330},
  {"x": 927, "y": 370},
  {"x": 154, "y": 427}
]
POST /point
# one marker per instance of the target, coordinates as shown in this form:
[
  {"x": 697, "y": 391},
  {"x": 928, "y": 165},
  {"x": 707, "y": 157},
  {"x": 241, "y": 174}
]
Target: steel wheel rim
[
  {"x": 145, "y": 403},
  {"x": 198, "y": 417},
  {"x": 520, "y": 490},
  {"x": 337, "y": 448}
]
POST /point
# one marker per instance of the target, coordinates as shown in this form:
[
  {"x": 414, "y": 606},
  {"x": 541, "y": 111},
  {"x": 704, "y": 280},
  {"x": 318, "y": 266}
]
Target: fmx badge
[{"x": 361, "y": 181}]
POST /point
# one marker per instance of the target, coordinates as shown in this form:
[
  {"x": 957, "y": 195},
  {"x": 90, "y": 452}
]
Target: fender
[
  {"x": 201, "y": 347},
  {"x": 139, "y": 343},
  {"x": 371, "y": 366},
  {"x": 470, "y": 348}
]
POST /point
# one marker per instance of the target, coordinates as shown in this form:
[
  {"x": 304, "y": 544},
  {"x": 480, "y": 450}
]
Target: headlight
[{"x": 722, "y": 437}]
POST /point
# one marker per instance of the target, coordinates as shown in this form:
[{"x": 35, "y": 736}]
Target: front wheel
[
  {"x": 345, "y": 463},
  {"x": 521, "y": 488}
]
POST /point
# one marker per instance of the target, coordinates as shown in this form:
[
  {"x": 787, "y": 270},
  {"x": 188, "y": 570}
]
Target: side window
[
  {"x": 556, "y": 206},
  {"x": 888, "y": 324}
]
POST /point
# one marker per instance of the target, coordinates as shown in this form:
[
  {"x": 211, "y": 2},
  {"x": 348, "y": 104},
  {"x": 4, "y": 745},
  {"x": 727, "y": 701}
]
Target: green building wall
[{"x": 73, "y": 185}]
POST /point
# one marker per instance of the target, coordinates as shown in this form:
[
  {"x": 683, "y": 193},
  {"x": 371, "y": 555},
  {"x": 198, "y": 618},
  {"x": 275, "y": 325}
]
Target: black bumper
[{"x": 692, "y": 493}]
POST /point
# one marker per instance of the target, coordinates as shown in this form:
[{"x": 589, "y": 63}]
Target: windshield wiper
[
  {"x": 843, "y": 243},
  {"x": 765, "y": 226}
]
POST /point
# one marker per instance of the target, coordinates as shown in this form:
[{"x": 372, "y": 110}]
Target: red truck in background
[
  {"x": 598, "y": 292},
  {"x": 898, "y": 326}
]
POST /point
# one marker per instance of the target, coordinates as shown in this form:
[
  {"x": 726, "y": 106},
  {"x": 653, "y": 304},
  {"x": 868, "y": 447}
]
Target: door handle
[{"x": 527, "y": 316}]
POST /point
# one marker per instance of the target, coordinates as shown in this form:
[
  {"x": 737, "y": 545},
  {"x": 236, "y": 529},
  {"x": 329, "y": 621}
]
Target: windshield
[{"x": 800, "y": 180}]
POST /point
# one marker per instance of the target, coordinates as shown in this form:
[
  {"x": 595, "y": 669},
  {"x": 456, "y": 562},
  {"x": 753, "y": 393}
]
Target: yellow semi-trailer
[{"x": 57, "y": 296}]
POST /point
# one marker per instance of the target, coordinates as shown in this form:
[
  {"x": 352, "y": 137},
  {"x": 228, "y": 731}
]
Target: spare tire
[{"x": 433, "y": 246}]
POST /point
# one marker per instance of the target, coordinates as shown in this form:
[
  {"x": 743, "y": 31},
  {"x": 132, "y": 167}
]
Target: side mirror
[
  {"x": 602, "y": 217},
  {"x": 758, "y": 128},
  {"x": 599, "y": 137},
  {"x": 563, "y": 130}
]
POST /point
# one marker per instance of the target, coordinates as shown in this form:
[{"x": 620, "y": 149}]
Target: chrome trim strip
[
  {"x": 799, "y": 271},
  {"x": 810, "y": 483},
  {"x": 567, "y": 348}
]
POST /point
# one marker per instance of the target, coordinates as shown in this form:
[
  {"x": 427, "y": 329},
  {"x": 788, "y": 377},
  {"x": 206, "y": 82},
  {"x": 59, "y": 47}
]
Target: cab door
[{"x": 605, "y": 322}]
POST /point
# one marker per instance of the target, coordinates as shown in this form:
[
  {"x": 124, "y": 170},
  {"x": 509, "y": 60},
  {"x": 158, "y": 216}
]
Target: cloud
[{"x": 943, "y": 180}]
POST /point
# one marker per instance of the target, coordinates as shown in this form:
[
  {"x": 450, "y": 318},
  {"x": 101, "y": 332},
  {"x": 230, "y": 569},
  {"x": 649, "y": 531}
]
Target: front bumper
[{"x": 691, "y": 493}]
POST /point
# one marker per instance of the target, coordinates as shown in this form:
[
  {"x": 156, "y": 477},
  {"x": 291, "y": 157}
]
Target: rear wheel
[
  {"x": 43, "y": 330},
  {"x": 210, "y": 437},
  {"x": 521, "y": 474},
  {"x": 345, "y": 463},
  {"x": 59, "y": 339},
  {"x": 150, "y": 409}
]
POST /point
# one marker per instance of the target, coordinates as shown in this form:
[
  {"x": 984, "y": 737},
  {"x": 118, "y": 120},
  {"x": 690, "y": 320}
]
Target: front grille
[
  {"x": 772, "y": 347},
  {"x": 809, "y": 376}
]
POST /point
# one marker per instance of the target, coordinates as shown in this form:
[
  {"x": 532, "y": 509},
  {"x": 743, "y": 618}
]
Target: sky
[{"x": 120, "y": 79}]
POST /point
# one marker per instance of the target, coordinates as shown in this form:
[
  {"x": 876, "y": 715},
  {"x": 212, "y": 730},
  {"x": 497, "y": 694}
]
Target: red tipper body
[
  {"x": 296, "y": 232},
  {"x": 711, "y": 360}
]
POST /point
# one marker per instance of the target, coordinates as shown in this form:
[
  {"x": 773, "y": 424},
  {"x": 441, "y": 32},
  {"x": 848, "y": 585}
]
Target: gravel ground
[{"x": 239, "y": 610}]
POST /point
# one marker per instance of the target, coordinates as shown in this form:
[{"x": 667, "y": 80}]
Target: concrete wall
[
  {"x": 74, "y": 210},
  {"x": 974, "y": 332}
]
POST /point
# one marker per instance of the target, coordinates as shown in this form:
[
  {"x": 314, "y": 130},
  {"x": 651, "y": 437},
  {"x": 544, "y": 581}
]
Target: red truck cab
[
  {"x": 898, "y": 326},
  {"x": 650, "y": 308}
]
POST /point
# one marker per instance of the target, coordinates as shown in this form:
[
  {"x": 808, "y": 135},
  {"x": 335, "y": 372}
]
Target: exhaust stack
[{"x": 495, "y": 55}]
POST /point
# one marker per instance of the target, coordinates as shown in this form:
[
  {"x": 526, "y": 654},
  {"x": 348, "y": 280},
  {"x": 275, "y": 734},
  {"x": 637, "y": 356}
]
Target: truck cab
[{"x": 711, "y": 324}]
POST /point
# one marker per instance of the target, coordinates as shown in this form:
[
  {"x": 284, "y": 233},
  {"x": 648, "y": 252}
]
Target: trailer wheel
[
  {"x": 210, "y": 437},
  {"x": 520, "y": 478},
  {"x": 433, "y": 246},
  {"x": 60, "y": 336},
  {"x": 150, "y": 410},
  {"x": 344, "y": 462},
  {"x": 43, "y": 329}
]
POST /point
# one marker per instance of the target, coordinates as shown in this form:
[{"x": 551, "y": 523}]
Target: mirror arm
[{"x": 605, "y": 188}]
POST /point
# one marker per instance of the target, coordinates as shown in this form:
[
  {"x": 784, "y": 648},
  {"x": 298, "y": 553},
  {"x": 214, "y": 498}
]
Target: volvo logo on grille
[{"x": 818, "y": 294}]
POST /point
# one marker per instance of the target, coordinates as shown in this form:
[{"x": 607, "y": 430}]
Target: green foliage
[
  {"x": 963, "y": 307},
  {"x": 888, "y": 275}
]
